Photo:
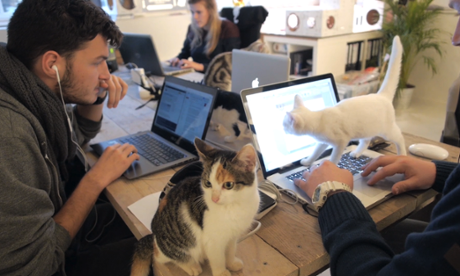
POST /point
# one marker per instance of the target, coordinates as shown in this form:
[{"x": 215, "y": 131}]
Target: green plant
[{"x": 413, "y": 23}]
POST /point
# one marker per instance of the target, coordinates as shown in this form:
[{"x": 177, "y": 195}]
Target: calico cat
[
  {"x": 360, "y": 118},
  {"x": 202, "y": 217},
  {"x": 219, "y": 72},
  {"x": 229, "y": 114}
]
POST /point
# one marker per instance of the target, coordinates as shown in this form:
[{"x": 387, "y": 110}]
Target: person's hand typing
[
  {"x": 327, "y": 171},
  {"x": 114, "y": 161},
  {"x": 174, "y": 61},
  {"x": 117, "y": 89},
  {"x": 185, "y": 64},
  {"x": 418, "y": 174}
]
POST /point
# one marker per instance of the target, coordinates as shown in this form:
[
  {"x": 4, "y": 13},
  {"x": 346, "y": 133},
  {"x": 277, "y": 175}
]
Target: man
[
  {"x": 56, "y": 53},
  {"x": 350, "y": 235}
]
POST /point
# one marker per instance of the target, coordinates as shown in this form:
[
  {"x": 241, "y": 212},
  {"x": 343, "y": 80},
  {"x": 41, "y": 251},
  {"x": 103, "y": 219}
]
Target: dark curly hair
[{"x": 64, "y": 26}]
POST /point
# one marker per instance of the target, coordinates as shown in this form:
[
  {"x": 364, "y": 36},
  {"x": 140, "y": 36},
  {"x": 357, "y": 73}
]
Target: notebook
[
  {"x": 183, "y": 113},
  {"x": 140, "y": 50},
  {"x": 280, "y": 153},
  {"x": 253, "y": 69}
]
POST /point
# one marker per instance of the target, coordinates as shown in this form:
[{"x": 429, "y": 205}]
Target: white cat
[{"x": 355, "y": 118}]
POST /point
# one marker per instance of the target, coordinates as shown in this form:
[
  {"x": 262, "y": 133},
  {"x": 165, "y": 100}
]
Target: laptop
[
  {"x": 280, "y": 153},
  {"x": 140, "y": 50},
  {"x": 183, "y": 113},
  {"x": 253, "y": 69}
]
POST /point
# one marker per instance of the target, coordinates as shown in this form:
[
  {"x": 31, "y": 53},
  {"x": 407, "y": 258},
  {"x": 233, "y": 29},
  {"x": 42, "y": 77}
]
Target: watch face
[{"x": 316, "y": 195}]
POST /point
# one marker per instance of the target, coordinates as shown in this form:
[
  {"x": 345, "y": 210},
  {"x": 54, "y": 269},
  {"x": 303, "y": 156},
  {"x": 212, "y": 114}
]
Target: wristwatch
[
  {"x": 324, "y": 189},
  {"x": 100, "y": 100}
]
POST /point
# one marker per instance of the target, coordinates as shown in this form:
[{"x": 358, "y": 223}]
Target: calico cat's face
[{"x": 227, "y": 176}]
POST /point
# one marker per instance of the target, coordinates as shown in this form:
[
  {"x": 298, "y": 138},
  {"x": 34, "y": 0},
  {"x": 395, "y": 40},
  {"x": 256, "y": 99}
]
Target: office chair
[
  {"x": 451, "y": 132},
  {"x": 249, "y": 21}
]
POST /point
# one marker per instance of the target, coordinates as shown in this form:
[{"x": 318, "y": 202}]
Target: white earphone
[
  {"x": 79, "y": 149},
  {"x": 57, "y": 72}
]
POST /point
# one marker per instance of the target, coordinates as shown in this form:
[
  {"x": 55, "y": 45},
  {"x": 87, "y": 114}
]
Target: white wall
[
  {"x": 435, "y": 88},
  {"x": 167, "y": 30}
]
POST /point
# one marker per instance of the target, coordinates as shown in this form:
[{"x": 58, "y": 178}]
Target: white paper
[{"x": 145, "y": 208}]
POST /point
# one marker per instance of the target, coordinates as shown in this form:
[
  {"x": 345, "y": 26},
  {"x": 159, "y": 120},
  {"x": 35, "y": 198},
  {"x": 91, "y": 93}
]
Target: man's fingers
[
  {"x": 133, "y": 157},
  {"x": 300, "y": 183},
  {"x": 376, "y": 163},
  {"x": 402, "y": 186},
  {"x": 118, "y": 90},
  {"x": 385, "y": 171},
  {"x": 124, "y": 91}
]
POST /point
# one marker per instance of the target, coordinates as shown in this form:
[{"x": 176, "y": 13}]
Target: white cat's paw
[
  {"x": 355, "y": 154},
  {"x": 224, "y": 273},
  {"x": 236, "y": 265},
  {"x": 215, "y": 127},
  {"x": 229, "y": 139},
  {"x": 305, "y": 162}
]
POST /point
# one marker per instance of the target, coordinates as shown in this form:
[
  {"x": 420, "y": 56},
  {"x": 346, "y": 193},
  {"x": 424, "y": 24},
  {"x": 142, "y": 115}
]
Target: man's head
[
  {"x": 455, "y": 4},
  {"x": 70, "y": 34}
]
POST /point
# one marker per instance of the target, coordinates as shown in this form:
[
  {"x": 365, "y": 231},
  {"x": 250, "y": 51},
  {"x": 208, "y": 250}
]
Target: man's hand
[
  {"x": 114, "y": 161},
  {"x": 117, "y": 90},
  {"x": 418, "y": 174},
  {"x": 327, "y": 171}
]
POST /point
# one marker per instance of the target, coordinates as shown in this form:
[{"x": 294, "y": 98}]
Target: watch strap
[
  {"x": 326, "y": 189},
  {"x": 100, "y": 100}
]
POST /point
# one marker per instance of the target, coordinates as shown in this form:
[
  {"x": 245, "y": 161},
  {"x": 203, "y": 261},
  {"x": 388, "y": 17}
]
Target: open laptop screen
[
  {"x": 266, "y": 108},
  {"x": 184, "y": 111}
]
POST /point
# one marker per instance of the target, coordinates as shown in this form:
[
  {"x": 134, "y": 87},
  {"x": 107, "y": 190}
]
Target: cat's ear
[
  {"x": 247, "y": 157},
  {"x": 202, "y": 148},
  {"x": 298, "y": 102},
  {"x": 290, "y": 118}
]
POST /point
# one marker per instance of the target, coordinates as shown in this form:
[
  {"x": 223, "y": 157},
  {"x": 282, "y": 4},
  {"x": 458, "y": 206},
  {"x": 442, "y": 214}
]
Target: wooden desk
[{"x": 289, "y": 241}]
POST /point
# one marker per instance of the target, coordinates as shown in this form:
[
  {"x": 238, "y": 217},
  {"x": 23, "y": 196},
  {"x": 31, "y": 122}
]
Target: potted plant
[{"x": 414, "y": 23}]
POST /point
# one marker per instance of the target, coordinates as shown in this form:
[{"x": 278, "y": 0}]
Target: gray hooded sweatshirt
[{"x": 31, "y": 192}]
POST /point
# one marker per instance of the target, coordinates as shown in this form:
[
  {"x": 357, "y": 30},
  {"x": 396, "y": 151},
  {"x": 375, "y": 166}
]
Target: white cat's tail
[{"x": 390, "y": 83}]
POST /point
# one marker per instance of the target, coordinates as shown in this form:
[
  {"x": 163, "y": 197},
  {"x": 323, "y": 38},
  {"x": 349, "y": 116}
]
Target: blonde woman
[{"x": 208, "y": 35}]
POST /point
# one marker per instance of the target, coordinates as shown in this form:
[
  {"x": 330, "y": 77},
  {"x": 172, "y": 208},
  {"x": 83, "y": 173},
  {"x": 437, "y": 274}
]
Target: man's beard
[{"x": 69, "y": 88}]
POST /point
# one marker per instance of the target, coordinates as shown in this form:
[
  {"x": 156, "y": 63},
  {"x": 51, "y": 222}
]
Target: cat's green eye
[
  {"x": 208, "y": 184},
  {"x": 229, "y": 185}
]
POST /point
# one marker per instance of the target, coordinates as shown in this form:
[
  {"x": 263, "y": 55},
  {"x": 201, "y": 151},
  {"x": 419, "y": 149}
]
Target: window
[
  {"x": 161, "y": 5},
  {"x": 7, "y": 9}
]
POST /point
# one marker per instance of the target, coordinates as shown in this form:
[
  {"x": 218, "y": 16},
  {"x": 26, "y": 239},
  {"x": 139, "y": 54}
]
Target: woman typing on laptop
[{"x": 208, "y": 35}]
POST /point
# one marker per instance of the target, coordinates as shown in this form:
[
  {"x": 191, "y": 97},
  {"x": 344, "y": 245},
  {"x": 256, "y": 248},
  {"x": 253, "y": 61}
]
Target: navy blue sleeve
[
  {"x": 443, "y": 171},
  {"x": 357, "y": 248}
]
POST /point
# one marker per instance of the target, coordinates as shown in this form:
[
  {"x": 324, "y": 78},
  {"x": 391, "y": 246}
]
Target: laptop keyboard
[
  {"x": 347, "y": 162},
  {"x": 171, "y": 68},
  {"x": 153, "y": 150}
]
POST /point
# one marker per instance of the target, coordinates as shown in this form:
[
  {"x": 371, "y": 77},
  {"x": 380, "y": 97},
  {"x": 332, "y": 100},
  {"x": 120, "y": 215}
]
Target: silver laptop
[
  {"x": 280, "y": 153},
  {"x": 252, "y": 69},
  {"x": 140, "y": 50},
  {"x": 183, "y": 113}
]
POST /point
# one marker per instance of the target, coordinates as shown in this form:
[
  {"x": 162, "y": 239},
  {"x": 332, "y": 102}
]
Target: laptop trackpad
[{"x": 360, "y": 184}]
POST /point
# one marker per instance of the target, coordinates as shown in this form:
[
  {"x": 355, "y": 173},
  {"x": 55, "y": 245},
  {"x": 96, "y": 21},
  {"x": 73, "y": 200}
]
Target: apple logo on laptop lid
[{"x": 255, "y": 83}]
